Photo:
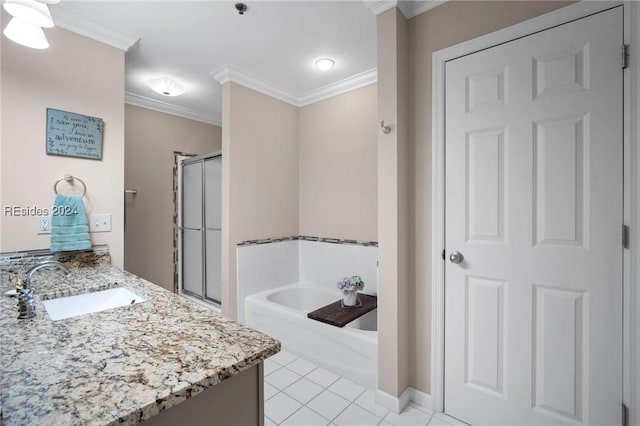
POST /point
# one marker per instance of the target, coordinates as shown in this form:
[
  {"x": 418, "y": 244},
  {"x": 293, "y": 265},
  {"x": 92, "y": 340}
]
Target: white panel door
[{"x": 534, "y": 162}]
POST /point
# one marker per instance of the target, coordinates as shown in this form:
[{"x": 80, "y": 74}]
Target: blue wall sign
[{"x": 74, "y": 135}]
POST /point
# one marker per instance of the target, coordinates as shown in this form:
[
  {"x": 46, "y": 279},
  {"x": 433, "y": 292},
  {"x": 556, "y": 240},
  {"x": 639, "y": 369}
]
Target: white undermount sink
[{"x": 88, "y": 303}]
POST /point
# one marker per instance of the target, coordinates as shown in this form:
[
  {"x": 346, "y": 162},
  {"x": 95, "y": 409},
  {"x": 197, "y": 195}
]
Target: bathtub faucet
[{"x": 26, "y": 304}]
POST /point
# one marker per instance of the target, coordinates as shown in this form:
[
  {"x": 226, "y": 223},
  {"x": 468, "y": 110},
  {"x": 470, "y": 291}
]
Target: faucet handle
[
  {"x": 16, "y": 280},
  {"x": 25, "y": 293}
]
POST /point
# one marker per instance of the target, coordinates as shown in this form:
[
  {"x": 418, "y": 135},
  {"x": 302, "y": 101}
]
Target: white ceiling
[{"x": 274, "y": 42}]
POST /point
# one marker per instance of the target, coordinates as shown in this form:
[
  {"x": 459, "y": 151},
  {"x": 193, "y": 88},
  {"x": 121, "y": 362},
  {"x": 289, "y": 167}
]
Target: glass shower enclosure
[{"x": 201, "y": 227}]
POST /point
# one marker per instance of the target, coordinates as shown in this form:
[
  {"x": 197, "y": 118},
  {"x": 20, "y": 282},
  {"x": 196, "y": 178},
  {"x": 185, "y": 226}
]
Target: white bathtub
[{"x": 351, "y": 351}]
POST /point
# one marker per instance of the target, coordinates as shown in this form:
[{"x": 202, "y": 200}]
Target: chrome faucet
[{"x": 26, "y": 305}]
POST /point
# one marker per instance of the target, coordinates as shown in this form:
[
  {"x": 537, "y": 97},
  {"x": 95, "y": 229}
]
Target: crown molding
[
  {"x": 85, "y": 27},
  {"x": 236, "y": 75},
  {"x": 408, "y": 8},
  {"x": 348, "y": 84},
  {"x": 380, "y": 6},
  {"x": 423, "y": 6},
  {"x": 231, "y": 73},
  {"x": 167, "y": 108}
]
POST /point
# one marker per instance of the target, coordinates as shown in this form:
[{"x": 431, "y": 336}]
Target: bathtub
[{"x": 351, "y": 351}]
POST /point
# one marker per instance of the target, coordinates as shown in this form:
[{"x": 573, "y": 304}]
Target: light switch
[{"x": 99, "y": 223}]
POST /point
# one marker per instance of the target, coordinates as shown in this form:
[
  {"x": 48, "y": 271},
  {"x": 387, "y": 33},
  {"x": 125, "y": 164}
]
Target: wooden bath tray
[{"x": 335, "y": 314}]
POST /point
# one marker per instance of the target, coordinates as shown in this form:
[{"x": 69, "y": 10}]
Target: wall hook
[{"x": 385, "y": 129}]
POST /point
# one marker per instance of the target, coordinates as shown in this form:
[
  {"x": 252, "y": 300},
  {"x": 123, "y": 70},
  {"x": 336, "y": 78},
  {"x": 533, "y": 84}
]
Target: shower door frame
[
  {"x": 204, "y": 297},
  {"x": 177, "y": 205}
]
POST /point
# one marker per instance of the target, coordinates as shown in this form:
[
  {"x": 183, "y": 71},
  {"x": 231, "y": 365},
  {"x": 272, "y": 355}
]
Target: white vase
[{"x": 349, "y": 298}]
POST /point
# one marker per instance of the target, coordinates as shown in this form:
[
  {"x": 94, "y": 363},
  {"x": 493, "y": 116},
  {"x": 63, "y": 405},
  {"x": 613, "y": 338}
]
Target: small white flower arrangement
[
  {"x": 350, "y": 287},
  {"x": 351, "y": 284}
]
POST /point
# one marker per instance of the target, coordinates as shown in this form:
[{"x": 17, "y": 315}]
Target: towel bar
[{"x": 69, "y": 178}]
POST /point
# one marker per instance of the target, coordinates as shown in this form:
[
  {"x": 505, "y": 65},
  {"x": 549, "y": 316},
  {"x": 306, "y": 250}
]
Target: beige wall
[
  {"x": 75, "y": 74},
  {"x": 443, "y": 26},
  {"x": 337, "y": 167},
  {"x": 259, "y": 175},
  {"x": 393, "y": 205},
  {"x": 151, "y": 138}
]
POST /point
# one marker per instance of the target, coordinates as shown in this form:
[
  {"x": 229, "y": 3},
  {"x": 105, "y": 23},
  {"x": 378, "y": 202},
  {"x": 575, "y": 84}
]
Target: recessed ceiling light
[
  {"x": 166, "y": 86},
  {"x": 26, "y": 34},
  {"x": 325, "y": 64},
  {"x": 30, "y": 11}
]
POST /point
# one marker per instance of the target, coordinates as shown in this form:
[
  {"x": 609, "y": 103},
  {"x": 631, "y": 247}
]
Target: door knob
[{"x": 456, "y": 257}]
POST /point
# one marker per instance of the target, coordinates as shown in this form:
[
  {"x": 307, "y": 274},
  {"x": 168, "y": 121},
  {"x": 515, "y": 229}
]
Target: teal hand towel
[{"x": 69, "y": 226}]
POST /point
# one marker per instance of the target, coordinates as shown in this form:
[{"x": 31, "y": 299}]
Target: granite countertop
[{"x": 118, "y": 366}]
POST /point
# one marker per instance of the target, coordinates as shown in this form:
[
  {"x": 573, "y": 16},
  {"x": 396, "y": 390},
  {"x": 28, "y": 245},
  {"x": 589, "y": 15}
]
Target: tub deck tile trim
[{"x": 307, "y": 238}]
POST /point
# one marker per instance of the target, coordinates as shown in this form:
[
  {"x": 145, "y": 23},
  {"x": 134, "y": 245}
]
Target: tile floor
[{"x": 300, "y": 393}]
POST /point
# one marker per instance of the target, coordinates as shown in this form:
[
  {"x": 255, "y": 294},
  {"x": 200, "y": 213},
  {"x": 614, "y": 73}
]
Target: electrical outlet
[
  {"x": 43, "y": 224},
  {"x": 99, "y": 223}
]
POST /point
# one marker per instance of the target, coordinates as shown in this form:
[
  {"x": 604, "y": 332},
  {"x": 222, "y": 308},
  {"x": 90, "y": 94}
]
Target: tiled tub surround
[
  {"x": 280, "y": 282},
  {"x": 118, "y": 366},
  {"x": 268, "y": 264}
]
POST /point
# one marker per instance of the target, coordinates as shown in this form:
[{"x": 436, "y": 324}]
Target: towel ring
[{"x": 69, "y": 179}]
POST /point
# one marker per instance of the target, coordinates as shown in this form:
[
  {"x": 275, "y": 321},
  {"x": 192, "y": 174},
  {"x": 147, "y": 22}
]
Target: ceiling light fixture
[
  {"x": 30, "y": 11},
  {"x": 166, "y": 86},
  {"x": 325, "y": 64},
  {"x": 26, "y": 34}
]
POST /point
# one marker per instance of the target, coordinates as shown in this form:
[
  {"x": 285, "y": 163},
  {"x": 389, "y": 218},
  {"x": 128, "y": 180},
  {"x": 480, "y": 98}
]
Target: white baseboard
[
  {"x": 423, "y": 399},
  {"x": 397, "y": 404},
  {"x": 390, "y": 402}
]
